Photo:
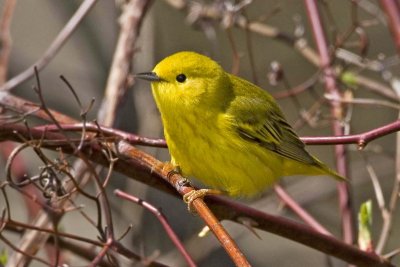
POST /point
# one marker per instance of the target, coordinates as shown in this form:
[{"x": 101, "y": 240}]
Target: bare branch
[
  {"x": 53, "y": 49},
  {"x": 336, "y": 112},
  {"x": 5, "y": 38},
  {"x": 119, "y": 80},
  {"x": 164, "y": 222}
]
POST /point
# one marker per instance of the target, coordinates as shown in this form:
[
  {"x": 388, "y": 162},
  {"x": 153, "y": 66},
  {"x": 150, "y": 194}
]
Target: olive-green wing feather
[{"x": 257, "y": 118}]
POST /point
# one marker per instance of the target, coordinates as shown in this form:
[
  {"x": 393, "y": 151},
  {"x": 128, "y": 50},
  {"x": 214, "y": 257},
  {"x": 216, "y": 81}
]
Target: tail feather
[
  {"x": 292, "y": 167},
  {"x": 329, "y": 171}
]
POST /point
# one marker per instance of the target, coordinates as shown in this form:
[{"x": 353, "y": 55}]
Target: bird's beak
[{"x": 148, "y": 76}]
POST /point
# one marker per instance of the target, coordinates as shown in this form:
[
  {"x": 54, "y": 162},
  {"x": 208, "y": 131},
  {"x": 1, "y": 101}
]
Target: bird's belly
[{"x": 225, "y": 161}]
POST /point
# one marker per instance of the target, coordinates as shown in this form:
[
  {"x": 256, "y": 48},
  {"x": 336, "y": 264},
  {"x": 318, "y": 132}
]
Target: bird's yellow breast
[{"x": 206, "y": 148}]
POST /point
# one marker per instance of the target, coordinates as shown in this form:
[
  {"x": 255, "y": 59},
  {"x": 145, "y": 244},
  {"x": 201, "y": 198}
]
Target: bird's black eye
[{"x": 181, "y": 78}]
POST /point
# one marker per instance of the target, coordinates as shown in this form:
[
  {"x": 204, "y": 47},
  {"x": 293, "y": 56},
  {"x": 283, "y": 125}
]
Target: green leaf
[
  {"x": 364, "y": 226},
  {"x": 3, "y": 257},
  {"x": 349, "y": 78}
]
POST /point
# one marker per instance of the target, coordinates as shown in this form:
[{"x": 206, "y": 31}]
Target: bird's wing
[{"x": 256, "y": 117}]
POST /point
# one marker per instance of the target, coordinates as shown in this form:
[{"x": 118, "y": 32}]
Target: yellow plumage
[{"x": 223, "y": 130}]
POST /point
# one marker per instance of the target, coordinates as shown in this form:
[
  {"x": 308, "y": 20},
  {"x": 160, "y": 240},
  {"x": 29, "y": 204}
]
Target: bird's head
[{"x": 187, "y": 79}]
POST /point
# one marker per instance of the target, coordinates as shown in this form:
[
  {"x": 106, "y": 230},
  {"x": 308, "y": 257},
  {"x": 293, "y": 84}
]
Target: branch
[
  {"x": 361, "y": 139},
  {"x": 203, "y": 211},
  {"x": 88, "y": 253},
  {"x": 56, "y": 45},
  {"x": 164, "y": 222},
  {"x": 392, "y": 10},
  {"x": 85, "y": 252},
  {"x": 336, "y": 111},
  {"x": 297, "y": 209},
  {"x": 118, "y": 81},
  {"x": 112, "y": 133},
  {"x": 5, "y": 38}
]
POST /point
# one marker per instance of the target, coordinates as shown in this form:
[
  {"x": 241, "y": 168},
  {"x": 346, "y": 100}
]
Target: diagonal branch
[
  {"x": 53, "y": 49},
  {"x": 164, "y": 222}
]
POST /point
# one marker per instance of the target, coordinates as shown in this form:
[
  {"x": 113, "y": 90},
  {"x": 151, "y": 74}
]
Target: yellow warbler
[{"x": 223, "y": 130}]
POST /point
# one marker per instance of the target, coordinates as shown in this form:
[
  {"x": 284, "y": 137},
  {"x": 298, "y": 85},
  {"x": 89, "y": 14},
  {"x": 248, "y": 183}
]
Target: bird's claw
[
  {"x": 191, "y": 196},
  {"x": 173, "y": 170}
]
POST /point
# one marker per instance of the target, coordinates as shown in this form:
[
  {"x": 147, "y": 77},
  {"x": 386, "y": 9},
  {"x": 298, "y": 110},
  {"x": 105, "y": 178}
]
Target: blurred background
[{"x": 85, "y": 61}]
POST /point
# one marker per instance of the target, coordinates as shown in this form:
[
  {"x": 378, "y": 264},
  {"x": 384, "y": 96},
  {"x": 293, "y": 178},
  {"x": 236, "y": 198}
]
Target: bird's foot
[
  {"x": 171, "y": 169},
  {"x": 191, "y": 196}
]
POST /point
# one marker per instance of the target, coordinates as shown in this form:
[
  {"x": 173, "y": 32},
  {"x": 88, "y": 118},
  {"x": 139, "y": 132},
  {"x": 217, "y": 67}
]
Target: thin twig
[
  {"x": 5, "y": 38},
  {"x": 55, "y": 46},
  {"x": 164, "y": 222},
  {"x": 297, "y": 209},
  {"x": 388, "y": 212},
  {"x": 336, "y": 111}
]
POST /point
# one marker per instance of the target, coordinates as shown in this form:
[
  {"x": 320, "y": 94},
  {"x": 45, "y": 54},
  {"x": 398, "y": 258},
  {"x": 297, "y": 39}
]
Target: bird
[{"x": 223, "y": 130}]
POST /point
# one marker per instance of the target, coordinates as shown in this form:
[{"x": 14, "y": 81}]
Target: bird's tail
[
  {"x": 292, "y": 167},
  {"x": 329, "y": 171}
]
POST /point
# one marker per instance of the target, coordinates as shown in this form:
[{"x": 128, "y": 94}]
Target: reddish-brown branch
[
  {"x": 164, "y": 222},
  {"x": 297, "y": 209},
  {"x": 88, "y": 252},
  {"x": 303, "y": 234},
  {"x": 25, "y": 107},
  {"x": 205, "y": 213},
  {"x": 104, "y": 250},
  {"x": 392, "y": 10},
  {"x": 107, "y": 132},
  {"x": 361, "y": 139},
  {"x": 336, "y": 111}
]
